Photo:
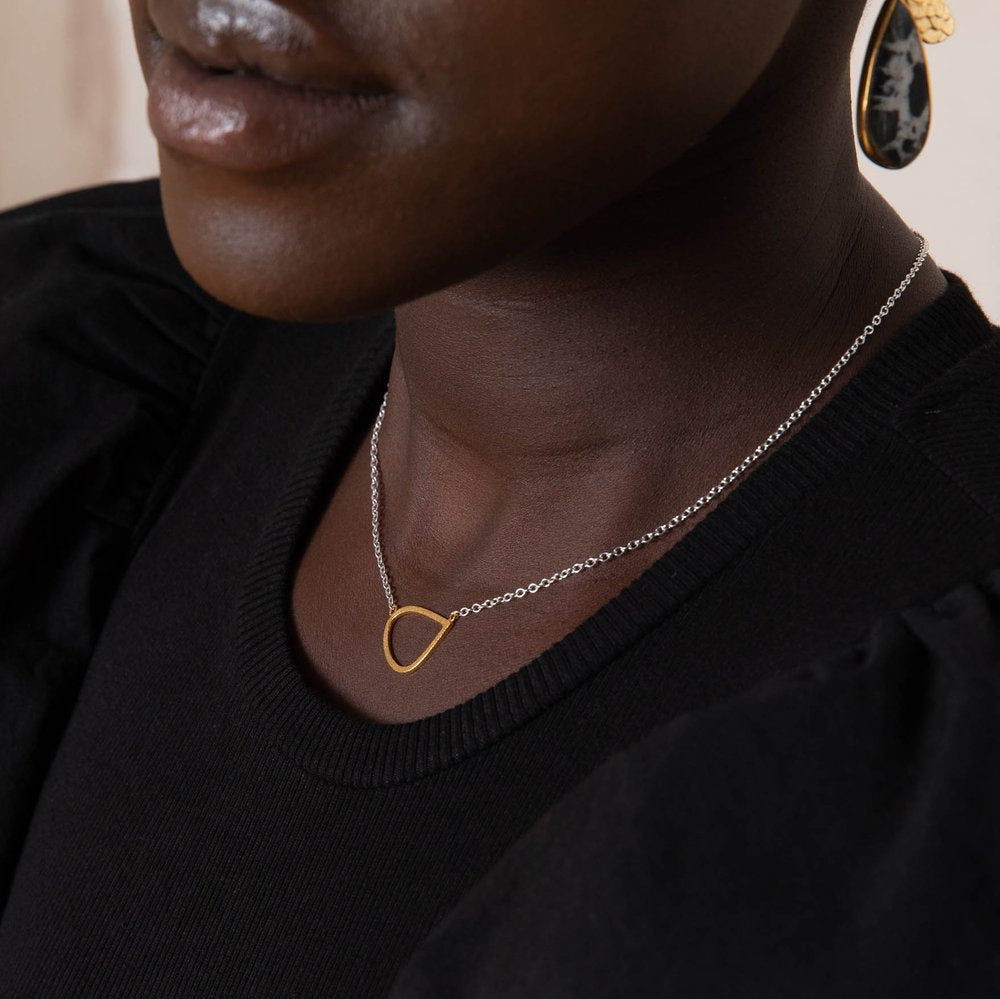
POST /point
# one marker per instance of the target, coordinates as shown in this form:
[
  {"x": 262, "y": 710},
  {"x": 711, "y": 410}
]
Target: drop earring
[{"x": 894, "y": 96}]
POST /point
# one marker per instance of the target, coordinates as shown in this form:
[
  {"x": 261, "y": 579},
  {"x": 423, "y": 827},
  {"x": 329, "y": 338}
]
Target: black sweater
[{"x": 768, "y": 767}]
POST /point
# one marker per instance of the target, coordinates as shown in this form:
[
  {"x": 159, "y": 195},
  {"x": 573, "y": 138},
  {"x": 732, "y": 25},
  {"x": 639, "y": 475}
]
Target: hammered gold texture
[{"x": 933, "y": 19}]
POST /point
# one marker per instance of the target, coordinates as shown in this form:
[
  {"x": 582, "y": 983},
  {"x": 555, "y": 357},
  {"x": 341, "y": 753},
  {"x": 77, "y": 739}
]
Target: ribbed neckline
[{"x": 343, "y": 749}]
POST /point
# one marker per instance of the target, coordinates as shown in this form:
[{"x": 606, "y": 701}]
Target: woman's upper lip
[{"x": 265, "y": 37}]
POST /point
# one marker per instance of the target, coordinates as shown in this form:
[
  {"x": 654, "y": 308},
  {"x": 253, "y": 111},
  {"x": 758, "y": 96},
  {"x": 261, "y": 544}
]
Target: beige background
[{"x": 81, "y": 120}]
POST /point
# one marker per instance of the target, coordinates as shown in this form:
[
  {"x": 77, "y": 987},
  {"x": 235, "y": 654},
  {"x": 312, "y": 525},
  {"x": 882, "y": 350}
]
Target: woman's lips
[
  {"x": 249, "y": 85},
  {"x": 264, "y": 36},
  {"x": 243, "y": 120}
]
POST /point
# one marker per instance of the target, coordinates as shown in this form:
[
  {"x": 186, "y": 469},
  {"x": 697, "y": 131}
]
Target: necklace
[{"x": 446, "y": 622}]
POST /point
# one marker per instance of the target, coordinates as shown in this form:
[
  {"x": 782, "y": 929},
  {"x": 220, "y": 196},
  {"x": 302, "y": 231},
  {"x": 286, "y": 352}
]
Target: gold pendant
[{"x": 446, "y": 625}]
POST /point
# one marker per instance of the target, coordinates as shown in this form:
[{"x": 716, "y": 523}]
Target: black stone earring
[{"x": 894, "y": 98}]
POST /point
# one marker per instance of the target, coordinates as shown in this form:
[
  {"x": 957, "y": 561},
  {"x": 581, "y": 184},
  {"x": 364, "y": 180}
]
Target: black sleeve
[
  {"x": 103, "y": 343},
  {"x": 835, "y": 833}
]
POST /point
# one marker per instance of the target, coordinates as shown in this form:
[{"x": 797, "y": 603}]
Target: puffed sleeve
[
  {"x": 833, "y": 833},
  {"x": 103, "y": 344}
]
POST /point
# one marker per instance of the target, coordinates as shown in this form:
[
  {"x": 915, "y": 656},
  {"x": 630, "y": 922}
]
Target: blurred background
[{"x": 72, "y": 113}]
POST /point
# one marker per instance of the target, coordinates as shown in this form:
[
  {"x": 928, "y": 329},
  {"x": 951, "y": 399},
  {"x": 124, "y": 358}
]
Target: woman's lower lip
[{"x": 247, "y": 122}]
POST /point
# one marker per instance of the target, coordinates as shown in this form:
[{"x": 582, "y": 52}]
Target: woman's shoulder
[
  {"x": 104, "y": 341},
  {"x": 953, "y": 422},
  {"x": 91, "y": 267},
  {"x": 104, "y": 344},
  {"x": 838, "y": 824}
]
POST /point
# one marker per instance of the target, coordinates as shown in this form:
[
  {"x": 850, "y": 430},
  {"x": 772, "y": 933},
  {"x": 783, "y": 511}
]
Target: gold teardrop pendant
[{"x": 445, "y": 623}]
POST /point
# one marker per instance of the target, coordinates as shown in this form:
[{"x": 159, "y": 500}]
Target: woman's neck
[
  {"x": 579, "y": 395},
  {"x": 616, "y": 373}
]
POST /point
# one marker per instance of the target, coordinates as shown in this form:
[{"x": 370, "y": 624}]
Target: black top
[{"x": 768, "y": 767}]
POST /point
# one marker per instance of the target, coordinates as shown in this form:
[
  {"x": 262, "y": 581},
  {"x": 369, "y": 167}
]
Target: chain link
[
  {"x": 657, "y": 532},
  {"x": 377, "y": 509}
]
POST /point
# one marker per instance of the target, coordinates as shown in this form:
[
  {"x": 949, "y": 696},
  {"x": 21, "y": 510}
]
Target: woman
[{"x": 468, "y": 300}]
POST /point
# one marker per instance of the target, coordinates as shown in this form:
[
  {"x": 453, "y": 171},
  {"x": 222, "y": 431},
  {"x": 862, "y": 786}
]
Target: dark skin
[{"x": 614, "y": 285}]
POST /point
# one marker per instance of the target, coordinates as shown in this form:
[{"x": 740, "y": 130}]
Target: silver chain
[{"x": 656, "y": 532}]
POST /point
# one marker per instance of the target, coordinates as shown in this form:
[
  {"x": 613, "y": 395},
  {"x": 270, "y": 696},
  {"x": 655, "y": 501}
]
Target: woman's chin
[{"x": 257, "y": 253}]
